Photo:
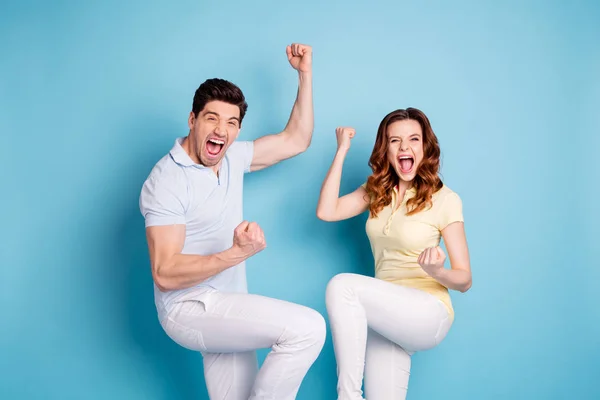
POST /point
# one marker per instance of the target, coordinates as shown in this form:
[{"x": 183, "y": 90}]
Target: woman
[{"x": 378, "y": 323}]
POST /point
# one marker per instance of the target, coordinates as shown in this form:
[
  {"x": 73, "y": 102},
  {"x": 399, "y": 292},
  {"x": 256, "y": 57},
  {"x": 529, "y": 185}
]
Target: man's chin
[{"x": 208, "y": 161}]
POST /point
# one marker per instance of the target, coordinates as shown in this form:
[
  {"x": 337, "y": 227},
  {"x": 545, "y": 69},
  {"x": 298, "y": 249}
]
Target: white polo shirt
[{"x": 179, "y": 191}]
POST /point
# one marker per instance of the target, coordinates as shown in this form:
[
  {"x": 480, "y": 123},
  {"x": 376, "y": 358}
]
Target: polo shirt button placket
[{"x": 388, "y": 224}]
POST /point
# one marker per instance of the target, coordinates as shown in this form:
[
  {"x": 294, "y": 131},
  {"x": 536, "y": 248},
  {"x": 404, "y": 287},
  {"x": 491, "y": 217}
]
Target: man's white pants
[{"x": 227, "y": 328}]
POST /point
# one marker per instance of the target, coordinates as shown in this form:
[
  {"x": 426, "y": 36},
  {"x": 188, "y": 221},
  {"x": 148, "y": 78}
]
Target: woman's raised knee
[{"x": 340, "y": 285}]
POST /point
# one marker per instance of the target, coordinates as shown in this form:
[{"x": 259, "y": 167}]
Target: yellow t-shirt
[{"x": 397, "y": 240}]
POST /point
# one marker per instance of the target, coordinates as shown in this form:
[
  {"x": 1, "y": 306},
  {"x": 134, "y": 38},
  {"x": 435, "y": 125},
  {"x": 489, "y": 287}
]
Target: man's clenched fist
[
  {"x": 300, "y": 57},
  {"x": 249, "y": 238}
]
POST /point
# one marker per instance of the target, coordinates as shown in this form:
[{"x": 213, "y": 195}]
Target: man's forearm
[
  {"x": 301, "y": 123},
  {"x": 186, "y": 270}
]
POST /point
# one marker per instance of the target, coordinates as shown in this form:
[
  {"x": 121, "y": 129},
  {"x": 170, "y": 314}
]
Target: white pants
[
  {"x": 376, "y": 326},
  {"x": 227, "y": 328}
]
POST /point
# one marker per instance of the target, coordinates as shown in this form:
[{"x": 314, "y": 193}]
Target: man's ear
[{"x": 191, "y": 120}]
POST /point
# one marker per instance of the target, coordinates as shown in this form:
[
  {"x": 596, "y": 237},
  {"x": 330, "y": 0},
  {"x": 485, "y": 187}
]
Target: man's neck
[{"x": 187, "y": 146}]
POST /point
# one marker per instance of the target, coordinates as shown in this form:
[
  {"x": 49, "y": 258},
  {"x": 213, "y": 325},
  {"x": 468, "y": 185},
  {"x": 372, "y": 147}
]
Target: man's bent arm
[
  {"x": 297, "y": 134},
  {"x": 172, "y": 270}
]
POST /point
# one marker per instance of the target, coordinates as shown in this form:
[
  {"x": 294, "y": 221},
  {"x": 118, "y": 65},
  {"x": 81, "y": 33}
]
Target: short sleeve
[
  {"x": 242, "y": 153},
  {"x": 162, "y": 202},
  {"x": 450, "y": 211}
]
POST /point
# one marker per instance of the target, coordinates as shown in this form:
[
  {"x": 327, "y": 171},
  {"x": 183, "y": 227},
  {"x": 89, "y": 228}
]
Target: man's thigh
[{"x": 222, "y": 322}]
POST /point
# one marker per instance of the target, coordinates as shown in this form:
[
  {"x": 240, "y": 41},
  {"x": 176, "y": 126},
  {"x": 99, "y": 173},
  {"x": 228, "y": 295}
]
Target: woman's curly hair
[{"x": 384, "y": 178}]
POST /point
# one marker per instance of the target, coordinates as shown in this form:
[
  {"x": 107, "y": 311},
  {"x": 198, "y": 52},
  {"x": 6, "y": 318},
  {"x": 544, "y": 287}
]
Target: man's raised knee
[
  {"x": 308, "y": 330},
  {"x": 314, "y": 327},
  {"x": 319, "y": 328}
]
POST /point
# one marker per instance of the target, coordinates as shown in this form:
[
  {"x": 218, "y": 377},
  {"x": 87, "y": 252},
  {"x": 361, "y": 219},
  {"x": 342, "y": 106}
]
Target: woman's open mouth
[{"x": 406, "y": 164}]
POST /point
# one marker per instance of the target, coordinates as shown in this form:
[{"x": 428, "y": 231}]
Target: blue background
[{"x": 92, "y": 95}]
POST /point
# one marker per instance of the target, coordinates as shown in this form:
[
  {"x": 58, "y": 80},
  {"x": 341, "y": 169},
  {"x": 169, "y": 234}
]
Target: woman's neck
[{"x": 403, "y": 186}]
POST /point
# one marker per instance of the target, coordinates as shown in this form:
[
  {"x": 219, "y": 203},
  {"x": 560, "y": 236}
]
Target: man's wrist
[
  {"x": 234, "y": 255},
  {"x": 305, "y": 76}
]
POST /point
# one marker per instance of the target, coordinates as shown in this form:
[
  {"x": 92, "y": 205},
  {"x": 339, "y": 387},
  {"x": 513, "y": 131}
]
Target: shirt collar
[
  {"x": 411, "y": 189},
  {"x": 181, "y": 157}
]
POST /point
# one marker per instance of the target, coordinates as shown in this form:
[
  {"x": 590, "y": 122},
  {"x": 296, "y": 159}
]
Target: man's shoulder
[
  {"x": 167, "y": 174},
  {"x": 240, "y": 146},
  {"x": 165, "y": 167},
  {"x": 164, "y": 195},
  {"x": 240, "y": 154}
]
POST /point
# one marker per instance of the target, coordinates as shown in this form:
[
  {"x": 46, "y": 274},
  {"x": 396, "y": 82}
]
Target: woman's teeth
[{"x": 406, "y": 163}]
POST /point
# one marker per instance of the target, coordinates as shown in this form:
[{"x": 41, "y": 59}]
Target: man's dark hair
[{"x": 221, "y": 90}]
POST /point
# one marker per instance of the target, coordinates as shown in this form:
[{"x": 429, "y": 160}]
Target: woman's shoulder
[{"x": 444, "y": 193}]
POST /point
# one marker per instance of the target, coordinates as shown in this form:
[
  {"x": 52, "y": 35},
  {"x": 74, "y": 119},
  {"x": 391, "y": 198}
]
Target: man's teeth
[{"x": 216, "y": 141}]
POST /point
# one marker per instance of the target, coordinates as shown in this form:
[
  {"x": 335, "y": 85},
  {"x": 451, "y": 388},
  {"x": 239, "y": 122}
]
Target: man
[{"x": 198, "y": 244}]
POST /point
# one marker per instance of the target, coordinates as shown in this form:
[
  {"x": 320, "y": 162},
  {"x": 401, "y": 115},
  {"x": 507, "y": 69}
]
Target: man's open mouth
[{"x": 214, "y": 146}]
